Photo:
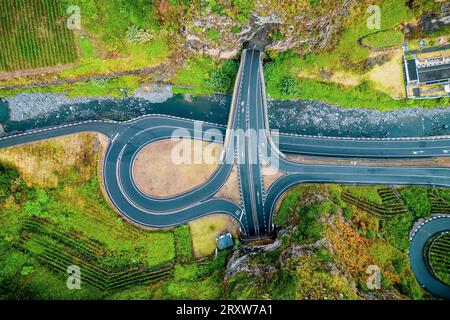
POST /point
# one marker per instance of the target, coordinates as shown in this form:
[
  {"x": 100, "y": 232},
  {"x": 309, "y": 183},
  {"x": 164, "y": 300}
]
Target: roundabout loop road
[
  {"x": 248, "y": 111},
  {"x": 417, "y": 252}
]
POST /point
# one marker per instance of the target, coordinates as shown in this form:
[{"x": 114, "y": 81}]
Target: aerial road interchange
[{"x": 249, "y": 145}]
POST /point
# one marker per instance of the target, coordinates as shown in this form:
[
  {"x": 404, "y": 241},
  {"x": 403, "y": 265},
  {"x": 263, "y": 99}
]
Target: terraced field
[
  {"x": 33, "y": 34},
  {"x": 439, "y": 253},
  {"x": 57, "y": 250},
  {"x": 391, "y": 203}
]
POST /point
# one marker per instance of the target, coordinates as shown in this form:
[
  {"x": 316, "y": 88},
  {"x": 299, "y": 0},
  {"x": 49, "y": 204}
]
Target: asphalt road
[
  {"x": 364, "y": 148},
  {"x": 248, "y": 114}
]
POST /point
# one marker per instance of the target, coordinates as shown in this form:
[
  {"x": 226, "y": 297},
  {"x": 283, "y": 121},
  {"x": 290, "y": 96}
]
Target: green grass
[
  {"x": 119, "y": 87},
  {"x": 196, "y": 73},
  {"x": 367, "y": 193},
  {"x": 116, "y": 87},
  {"x": 383, "y": 39},
  {"x": 138, "y": 56},
  {"x": 110, "y": 19},
  {"x": 43, "y": 229},
  {"x": 198, "y": 281},
  {"x": 101, "y": 43},
  {"x": 183, "y": 243},
  {"x": 288, "y": 205},
  {"x": 86, "y": 47},
  {"x": 34, "y": 34}
]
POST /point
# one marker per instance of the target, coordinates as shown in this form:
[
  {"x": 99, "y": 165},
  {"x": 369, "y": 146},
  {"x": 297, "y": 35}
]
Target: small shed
[{"x": 224, "y": 241}]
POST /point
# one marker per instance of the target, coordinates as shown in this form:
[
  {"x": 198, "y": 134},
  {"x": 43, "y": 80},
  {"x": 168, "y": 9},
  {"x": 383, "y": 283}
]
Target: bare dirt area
[
  {"x": 205, "y": 230},
  {"x": 44, "y": 163},
  {"x": 389, "y": 76},
  {"x": 35, "y": 72},
  {"x": 158, "y": 171},
  {"x": 270, "y": 175},
  {"x": 230, "y": 190}
]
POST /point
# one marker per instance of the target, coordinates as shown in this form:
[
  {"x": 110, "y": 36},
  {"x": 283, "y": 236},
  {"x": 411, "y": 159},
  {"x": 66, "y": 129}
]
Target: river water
[{"x": 29, "y": 111}]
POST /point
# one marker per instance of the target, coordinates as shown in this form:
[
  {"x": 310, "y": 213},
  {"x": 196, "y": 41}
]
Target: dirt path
[{"x": 163, "y": 72}]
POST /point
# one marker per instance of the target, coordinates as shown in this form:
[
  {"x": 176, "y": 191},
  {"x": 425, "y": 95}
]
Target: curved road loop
[
  {"x": 248, "y": 145},
  {"x": 417, "y": 251}
]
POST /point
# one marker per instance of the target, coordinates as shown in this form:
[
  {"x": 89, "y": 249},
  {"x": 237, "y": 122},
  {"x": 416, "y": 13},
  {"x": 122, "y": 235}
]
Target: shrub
[
  {"x": 26, "y": 270},
  {"x": 7, "y": 177},
  {"x": 396, "y": 230},
  {"x": 310, "y": 57},
  {"x": 213, "y": 34},
  {"x": 314, "y": 3},
  {"x": 183, "y": 243},
  {"x": 277, "y": 36},
  {"x": 288, "y": 86},
  {"x": 235, "y": 29},
  {"x": 135, "y": 35},
  {"x": 219, "y": 81},
  {"x": 230, "y": 67},
  {"x": 348, "y": 212},
  {"x": 284, "y": 285},
  {"x": 417, "y": 200}
]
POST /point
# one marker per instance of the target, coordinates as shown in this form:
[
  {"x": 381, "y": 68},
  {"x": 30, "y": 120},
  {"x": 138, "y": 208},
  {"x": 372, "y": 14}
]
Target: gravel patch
[
  {"x": 154, "y": 93},
  {"x": 32, "y": 105}
]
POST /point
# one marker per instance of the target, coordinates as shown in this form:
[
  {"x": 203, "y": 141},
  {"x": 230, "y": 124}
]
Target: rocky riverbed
[
  {"x": 33, "y": 105},
  {"x": 316, "y": 118},
  {"x": 33, "y": 110}
]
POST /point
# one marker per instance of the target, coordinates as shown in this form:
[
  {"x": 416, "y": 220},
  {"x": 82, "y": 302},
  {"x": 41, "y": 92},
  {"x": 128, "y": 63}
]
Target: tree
[
  {"x": 230, "y": 67},
  {"x": 417, "y": 200},
  {"x": 26, "y": 270},
  {"x": 7, "y": 177}
]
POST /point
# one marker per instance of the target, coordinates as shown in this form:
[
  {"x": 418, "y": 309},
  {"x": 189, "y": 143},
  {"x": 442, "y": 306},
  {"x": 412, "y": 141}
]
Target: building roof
[
  {"x": 411, "y": 70},
  {"x": 437, "y": 73},
  {"x": 224, "y": 241}
]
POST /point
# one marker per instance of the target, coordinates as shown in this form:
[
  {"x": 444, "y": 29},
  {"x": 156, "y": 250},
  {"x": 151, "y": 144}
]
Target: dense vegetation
[
  {"x": 384, "y": 39},
  {"x": 34, "y": 34},
  {"x": 56, "y": 216},
  {"x": 327, "y": 245}
]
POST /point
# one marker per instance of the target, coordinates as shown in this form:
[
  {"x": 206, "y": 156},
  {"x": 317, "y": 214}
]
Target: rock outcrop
[{"x": 302, "y": 27}]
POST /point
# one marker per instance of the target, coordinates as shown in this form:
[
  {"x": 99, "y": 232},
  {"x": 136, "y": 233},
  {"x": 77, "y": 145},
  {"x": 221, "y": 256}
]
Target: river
[{"x": 36, "y": 110}]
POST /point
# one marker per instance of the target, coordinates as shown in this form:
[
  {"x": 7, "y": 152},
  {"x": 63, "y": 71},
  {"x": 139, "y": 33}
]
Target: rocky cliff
[{"x": 293, "y": 24}]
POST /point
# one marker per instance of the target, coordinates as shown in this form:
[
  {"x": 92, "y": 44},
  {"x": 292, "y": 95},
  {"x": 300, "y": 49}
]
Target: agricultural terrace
[
  {"x": 34, "y": 34},
  {"x": 439, "y": 254}
]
